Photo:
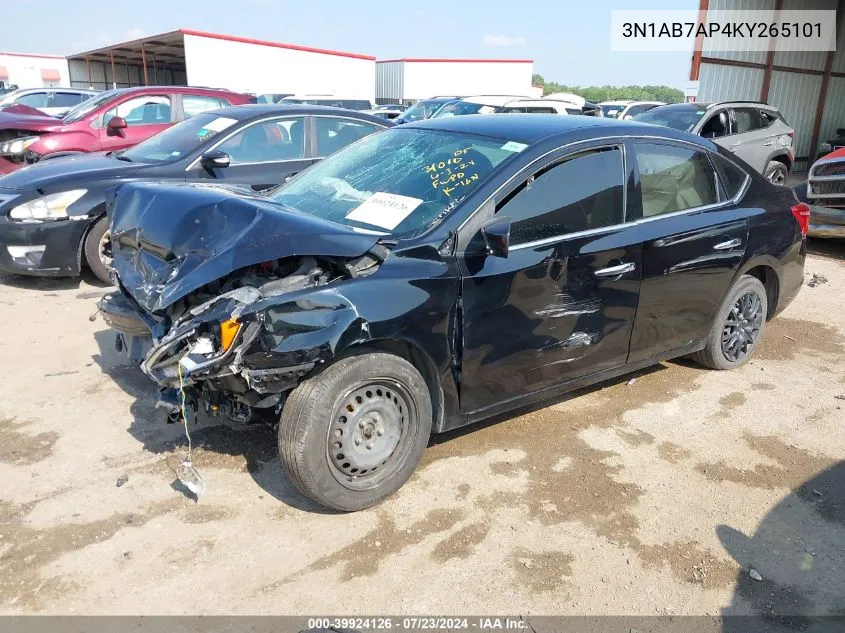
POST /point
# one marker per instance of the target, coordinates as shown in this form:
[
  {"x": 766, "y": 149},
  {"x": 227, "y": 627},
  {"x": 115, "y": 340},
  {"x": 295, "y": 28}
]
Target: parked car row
[
  {"x": 345, "y": 279},
  {"x": 51, "y": 101}
]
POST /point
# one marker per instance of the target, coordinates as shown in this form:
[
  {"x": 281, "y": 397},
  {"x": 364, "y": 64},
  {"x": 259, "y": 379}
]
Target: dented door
[{"x": 559, "y": 307}]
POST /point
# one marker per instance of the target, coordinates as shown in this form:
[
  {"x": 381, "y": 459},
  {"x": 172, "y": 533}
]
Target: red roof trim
[
  {"x": 295, "y": 47},
  {"x": 460, "y": 61},
  {"x": 36, "y": 55}
]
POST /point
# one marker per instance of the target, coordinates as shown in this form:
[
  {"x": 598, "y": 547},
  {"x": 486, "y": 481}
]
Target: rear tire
[
  {"x": 738, "y": 326},
  {"x": 352, "y": 435},
  {"x": 94, "y": 244},
  {"x": 776, "y": 172}
]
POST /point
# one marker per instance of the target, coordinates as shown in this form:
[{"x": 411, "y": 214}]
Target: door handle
[
  {"x": 768, "y": 144},
  {"x": 616, "y": 271},
  {"x": 724, "y": 246}
]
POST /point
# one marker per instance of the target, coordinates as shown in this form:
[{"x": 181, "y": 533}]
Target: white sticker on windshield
[
  {"x": 513, "y": 146},
  {"x": 386, "y": 210},
  {"x": 219, "y": 124}
]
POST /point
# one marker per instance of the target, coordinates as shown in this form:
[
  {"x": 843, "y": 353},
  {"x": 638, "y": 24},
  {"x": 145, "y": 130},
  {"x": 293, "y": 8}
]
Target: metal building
[
  {"x": 242, "y": 64},
  {"x": 808, "y": 87},
  {"x": 33, "y": 71},
  {"x": 410, "y": 79}
]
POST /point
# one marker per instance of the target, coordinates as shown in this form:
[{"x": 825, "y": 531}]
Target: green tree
[
  {"x": 537, "y": 80},
  {"x": 596, "y": 94}
]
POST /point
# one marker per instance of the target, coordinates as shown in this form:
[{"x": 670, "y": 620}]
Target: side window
[
  {"x": 146, "y": 110},
  {"x": 674, "y": 178},
  {"x": 747, "y": 120},
  {"x": 716, "y": 126},
  {"x": 268, "y": 141},
  {"x": 35, "y": 100},
  {"x": 580, "y": 193},
  {"x": 541, "y": 110},
  {"x": 196, "y": 104},
  {"x": 767, "y": 118},
  {"x": 67, "y": 99},
  {"x": 732, "y": 177},
  {"x": 574, "y": 111},
  {"x": 334, "y": 134}
]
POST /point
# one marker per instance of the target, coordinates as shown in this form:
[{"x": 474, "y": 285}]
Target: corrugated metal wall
[
  {"x": 390, "y": 81},
  {"x": 722, "y": 83},
  {"x": 834, "y": 109},
  {"x": 796, "y": 96},
  {"x": 757, "y": 57}
]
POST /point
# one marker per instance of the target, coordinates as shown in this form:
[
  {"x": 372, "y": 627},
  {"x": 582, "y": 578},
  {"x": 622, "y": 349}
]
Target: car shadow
[
  {"x": 216, "y": 442},
  {"x": 797, "y": 555},
  {"x": 830, "y": 247},
  {"x": 48, "y": 284}
]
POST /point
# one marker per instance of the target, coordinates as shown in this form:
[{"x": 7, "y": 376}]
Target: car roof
[
  {"x": 258, "y": 110},
  {"x": 493, "y": 100},
  {"x": 536, "y": 127},
  {"x": 615, "y": 102},
  {"x": 168, "y": 90}
]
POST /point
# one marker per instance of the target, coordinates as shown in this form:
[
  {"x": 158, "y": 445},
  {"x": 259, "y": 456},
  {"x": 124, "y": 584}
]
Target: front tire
[
  {"x": 738, "y": 326},
  {"x": 97, "y": 250},
  {"x": 776, "y": 172},
  {"x": 352, "y": 435}
]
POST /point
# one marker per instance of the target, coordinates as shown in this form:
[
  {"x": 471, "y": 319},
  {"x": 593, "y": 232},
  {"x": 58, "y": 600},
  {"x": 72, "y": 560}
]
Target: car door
[
  {"x": 694, "y": 240},
  {"x": 562, "y": 302},
  {"x": 145, "y": 116},
  {"x": 261, "y": 154},
  {"x": 750, "y": 140}
]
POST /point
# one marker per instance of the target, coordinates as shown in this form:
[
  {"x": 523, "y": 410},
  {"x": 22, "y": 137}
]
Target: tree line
[{"x": 597, "y": 94}]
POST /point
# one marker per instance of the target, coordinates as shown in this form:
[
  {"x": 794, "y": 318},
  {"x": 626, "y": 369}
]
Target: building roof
[
  {"x": 445, "y": 60},
  {"x": 168, "y": 49}
]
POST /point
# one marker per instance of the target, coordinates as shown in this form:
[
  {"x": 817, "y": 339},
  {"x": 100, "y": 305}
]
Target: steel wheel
[
  {"x": 368, "y": 438},
  {"x": 104, "y": 250},
  {"x": 742, "y": 326}
]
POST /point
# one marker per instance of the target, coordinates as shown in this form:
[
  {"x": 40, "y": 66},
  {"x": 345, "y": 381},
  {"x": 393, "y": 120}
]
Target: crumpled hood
[
  {"x": 18, "y": 121},
  {"x": 170, "y": 240},
  {"x": 70, "y": 171}
]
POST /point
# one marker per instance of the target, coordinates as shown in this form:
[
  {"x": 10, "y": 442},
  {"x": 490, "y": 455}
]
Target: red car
[{"x": 112, "y": 120}]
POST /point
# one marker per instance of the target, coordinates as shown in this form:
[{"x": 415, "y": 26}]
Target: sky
[{"x": 568, "y": 40}]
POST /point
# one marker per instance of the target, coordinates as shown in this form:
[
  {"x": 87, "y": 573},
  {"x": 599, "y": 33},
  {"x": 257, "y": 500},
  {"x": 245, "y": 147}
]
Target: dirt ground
[{"x": 657, "y": 496}]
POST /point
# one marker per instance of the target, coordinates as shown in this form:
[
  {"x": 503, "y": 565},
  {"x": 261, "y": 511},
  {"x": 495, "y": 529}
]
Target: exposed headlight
[
  {"x": 17, "y": 146},
  {"x": 51, "y": 207}
]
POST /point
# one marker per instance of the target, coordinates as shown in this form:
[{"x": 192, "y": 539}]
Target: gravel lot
[{"x": 657, "y": 496}]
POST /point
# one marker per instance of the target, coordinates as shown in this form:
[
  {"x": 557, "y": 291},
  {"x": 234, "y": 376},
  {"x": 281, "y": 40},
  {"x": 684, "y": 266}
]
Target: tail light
[{"x": 801, "y": 212}]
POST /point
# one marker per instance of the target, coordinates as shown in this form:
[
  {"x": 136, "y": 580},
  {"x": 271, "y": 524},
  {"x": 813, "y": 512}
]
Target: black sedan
[
  {"x": 442, "y": 272},
  {"x": 52, "y": 214}
]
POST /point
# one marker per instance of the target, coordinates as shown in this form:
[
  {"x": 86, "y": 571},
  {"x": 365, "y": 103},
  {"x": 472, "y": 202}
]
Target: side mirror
[
  {"x": 497, "y": 236},
  {"x": 215, "y": 159},
  {"x": 825, "y": 148},
  {"x": 115, "y": 125}
]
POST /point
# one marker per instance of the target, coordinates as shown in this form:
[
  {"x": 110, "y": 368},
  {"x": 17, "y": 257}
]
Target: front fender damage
[{"x": 286, "y": 329}]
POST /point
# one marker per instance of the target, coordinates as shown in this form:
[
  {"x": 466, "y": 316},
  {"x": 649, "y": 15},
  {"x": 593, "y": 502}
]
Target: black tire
[
  {"x": 776, "y": 172},
  {"x": 718, "y": 353},
  {"x": 92, "y": 250},
  {"x": 338, "y": 425}
]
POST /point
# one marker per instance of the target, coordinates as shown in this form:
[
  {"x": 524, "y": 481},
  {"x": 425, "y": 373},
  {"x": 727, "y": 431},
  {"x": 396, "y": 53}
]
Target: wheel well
[
  {"x": 768, "y": 277},
  {"x": 783, "y": 158},
  {"x": 419, "y": 360},
  {"x": 81, "y": 259}
]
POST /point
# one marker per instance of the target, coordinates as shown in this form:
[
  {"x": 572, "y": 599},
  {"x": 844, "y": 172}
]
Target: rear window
[{"x": 732, "y": 177}]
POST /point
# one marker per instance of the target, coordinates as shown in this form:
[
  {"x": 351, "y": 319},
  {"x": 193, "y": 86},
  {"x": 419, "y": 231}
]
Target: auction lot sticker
[{"x": 386, "y": 210}]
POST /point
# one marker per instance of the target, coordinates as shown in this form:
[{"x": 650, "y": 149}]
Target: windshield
[
  {"x": 80, "y": 111},
  {"x": 181, "y": 139},
  {"x": 459, "y": 108},
  {"x": 683, "y": 116},
  {"x": 612, "y": 111},
  {"x": 397, "y": 182}
]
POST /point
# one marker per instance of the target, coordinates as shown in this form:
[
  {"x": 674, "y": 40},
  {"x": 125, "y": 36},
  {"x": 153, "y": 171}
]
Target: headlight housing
[
  {"x": 51, "y": 207},
  {"x": 18, "y": 145}
]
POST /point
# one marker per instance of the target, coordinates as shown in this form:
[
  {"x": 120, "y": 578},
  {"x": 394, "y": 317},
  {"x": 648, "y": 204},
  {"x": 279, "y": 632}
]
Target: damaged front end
[{"x": 229, "y": 313}]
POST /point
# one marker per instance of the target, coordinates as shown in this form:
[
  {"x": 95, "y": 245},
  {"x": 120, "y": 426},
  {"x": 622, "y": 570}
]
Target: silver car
[
  {"x": 756, "y": 132},
  {"x": 53, "y": 101}
]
